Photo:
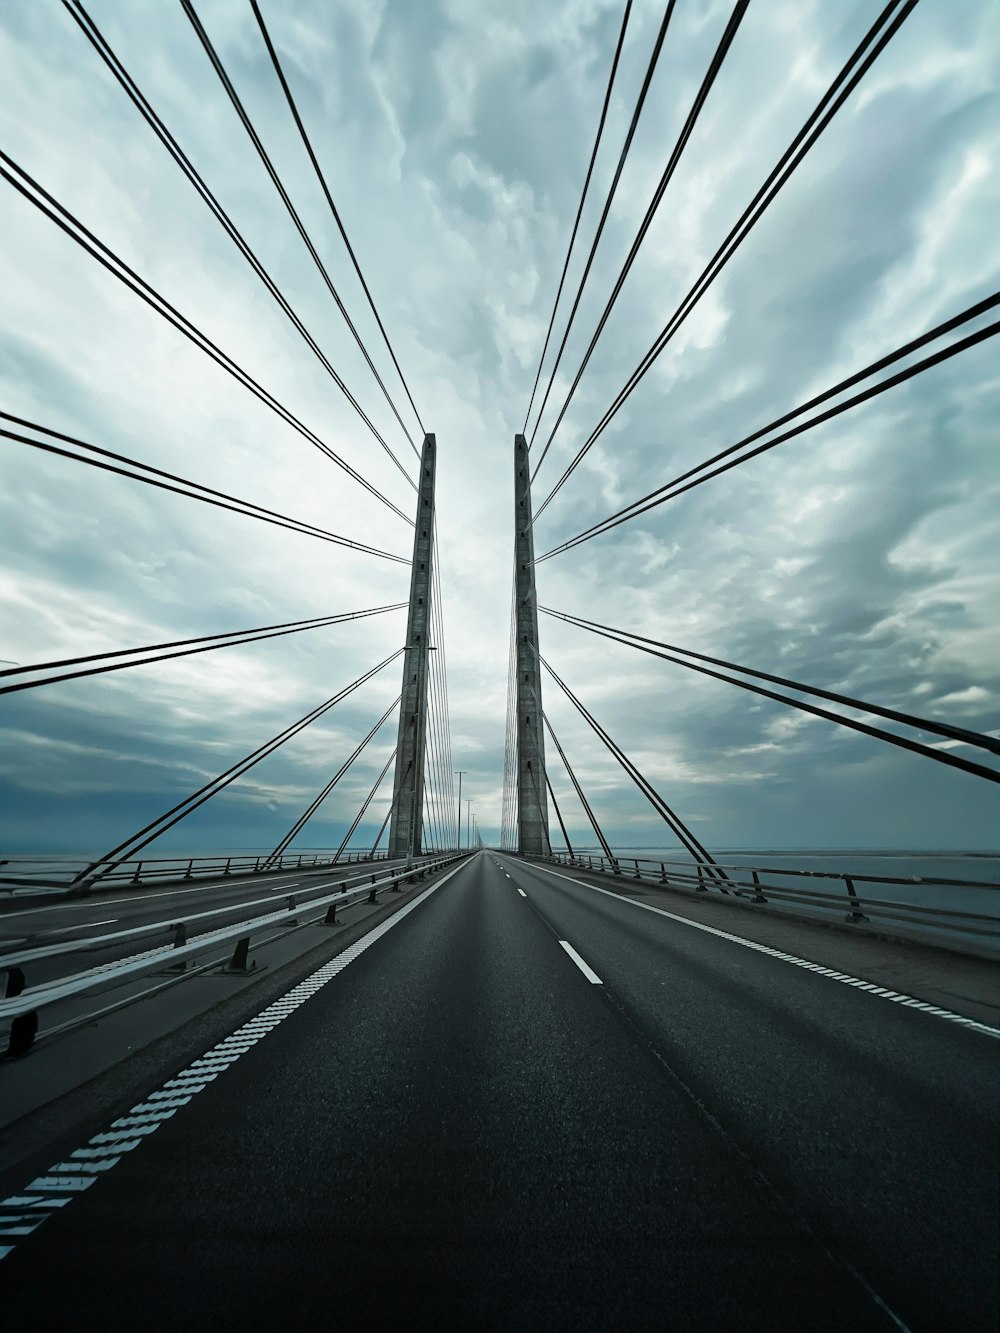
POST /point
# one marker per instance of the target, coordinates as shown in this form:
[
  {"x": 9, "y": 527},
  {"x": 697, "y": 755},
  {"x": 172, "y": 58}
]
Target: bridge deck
[{"x": 470, "y": 1123}]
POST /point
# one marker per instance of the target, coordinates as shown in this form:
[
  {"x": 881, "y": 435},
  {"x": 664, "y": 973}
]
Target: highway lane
[
  {"x": 28, "y": 927},
  {"x": 875, "y": 1121},
  {"x": 517, "y": 1107}
]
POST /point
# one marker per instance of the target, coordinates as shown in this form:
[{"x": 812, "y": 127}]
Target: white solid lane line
[
  {"x": 588, "y": 972},
  {"x": 521, "y": 892},
  {"x": 83, "y": 925},
  {"x": 21, "y": 1214},
  {"x": 869, "y": 987}
]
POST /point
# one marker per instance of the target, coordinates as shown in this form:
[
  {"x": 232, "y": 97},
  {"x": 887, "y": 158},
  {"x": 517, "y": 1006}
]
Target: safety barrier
[
  {"x": 856, "y": 898},
  {"x": 55, "y": 873},
  {"x": 21, "y": 1006}
]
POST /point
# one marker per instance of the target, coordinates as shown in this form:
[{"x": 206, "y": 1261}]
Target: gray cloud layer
[{"x": 455, "y": 137}]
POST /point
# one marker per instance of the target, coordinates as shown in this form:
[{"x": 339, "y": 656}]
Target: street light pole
[
  {"x": 468, "y": 823},
  {"x": 458, "y": 826}
]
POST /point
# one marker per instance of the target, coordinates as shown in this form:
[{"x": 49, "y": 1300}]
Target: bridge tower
[
  {"x": 405, "y": 830},
  {"x": 532, "y": 807}
]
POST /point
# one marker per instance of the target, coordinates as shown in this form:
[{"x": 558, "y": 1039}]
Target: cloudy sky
[{"x": 455, "y": 136}]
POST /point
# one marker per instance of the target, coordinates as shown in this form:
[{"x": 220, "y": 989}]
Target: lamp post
[
  {"x": 468, "y": 823},
  {"x": 458, "y": 825}
]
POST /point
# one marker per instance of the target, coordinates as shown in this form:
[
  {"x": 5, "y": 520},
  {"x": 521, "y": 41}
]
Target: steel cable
[
  {"x": 671, "y": 489},
  {"x": 735, "y": 19},
  {"x": 245, "y": 120},
  {"x": 871, "y": 46},
  {"x": 103, "y": 48},
  {"x": 169, "y": 481},
  {"x": 204, "y": 644},
  {"x": 877, "y": 733},
  {"x": 333, "y": 209},
  {"x": 579, "y": 211}
]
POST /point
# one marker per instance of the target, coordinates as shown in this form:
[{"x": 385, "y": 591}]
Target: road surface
[{"x": 522, "y": 1102}]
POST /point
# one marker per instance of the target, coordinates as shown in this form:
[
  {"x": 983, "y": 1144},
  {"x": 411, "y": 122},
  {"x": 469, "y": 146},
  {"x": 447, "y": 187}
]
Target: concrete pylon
[
  {"x": 408, "y": 784},
  {"x": 532, "y": 807}
]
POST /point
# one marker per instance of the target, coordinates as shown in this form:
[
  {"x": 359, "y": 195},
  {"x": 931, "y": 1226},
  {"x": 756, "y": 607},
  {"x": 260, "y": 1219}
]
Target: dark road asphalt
[
  {"x": 27, "y": 926},
  {"x": 463, "y": 1129}
]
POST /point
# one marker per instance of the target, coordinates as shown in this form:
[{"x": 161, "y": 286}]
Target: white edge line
[
  {"x": 56, "y": 1187},
  {"x": 831, "y": 974},
  {"x": 585, "y": 968}
]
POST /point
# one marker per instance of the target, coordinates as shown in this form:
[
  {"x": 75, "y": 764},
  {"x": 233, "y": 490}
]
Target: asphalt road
[
  {"x": 530, "y": 1104},
  {"x": 27, "y": 925}
]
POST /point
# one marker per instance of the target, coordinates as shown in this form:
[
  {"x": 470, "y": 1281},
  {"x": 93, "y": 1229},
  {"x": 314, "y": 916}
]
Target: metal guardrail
[
  {"x": 21, "y": 1006},
  {"x": 755, "y": 885},
  {"x": 48, "y": 872}
]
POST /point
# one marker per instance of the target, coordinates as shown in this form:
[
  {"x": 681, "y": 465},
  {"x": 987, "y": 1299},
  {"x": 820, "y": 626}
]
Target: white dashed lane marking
[
  {"x": 21, "y": 1214},
  {"x": 882, "y": 992},
  {"x": 585, "y": 968}
]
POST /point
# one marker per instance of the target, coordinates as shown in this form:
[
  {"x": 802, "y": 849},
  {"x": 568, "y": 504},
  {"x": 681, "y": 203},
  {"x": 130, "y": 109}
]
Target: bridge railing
[
  {"x": 21, "y": 1005},
  {"x": 859, "y": 899},
  {"x": 54, "y": 873}
]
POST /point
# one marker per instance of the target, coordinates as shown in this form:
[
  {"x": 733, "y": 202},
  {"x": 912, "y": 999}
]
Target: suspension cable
[
  {"x": 240, "y": 110},
  {"x": 871, "y": 46},
  {"x": 679, "y": 485},
  {"x": 191, "y": 490},
  {"x": 878, "y": 733},
  {"x": 103, "y": 48},
  {"x": 127, "y": 849},
  {"x": 963, "y": 734},
  {"x": 588, "y": 811},
  {"x": 315, "y": 804},
  {"x": 366, "y": 803},
  {"x": 579, "y": 211},
  {"x": 647, "y": 80},
  {"x": 204, "y": 644},
  {"x": 67, "y": 222},
  {"x": 333, "y": 209},
  {"x": 735, "y": 19},
  {"x": 388, "y": 814},
  {"x": 669, "y": 816},
  {"x": 555, "y": 806}
]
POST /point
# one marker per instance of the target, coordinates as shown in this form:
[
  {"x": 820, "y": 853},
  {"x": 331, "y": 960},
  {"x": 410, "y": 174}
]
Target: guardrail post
[
  {"x": 855, "y": 914},
  {"x": 24, "y": 1027},
  {"x": 702, "y": 886},
  {"x": 371, "y": 897},
  {"x": 331, "y": 916},
  {"x": 663, "y": 874},
  {"x": 637, "y": 875},
  {"x": 614, "y": 866},
  {"x": 758, "y": 897},
  {"x": 228, "y": 861},
  {"x": 138, "y": 873},
  {"x": 180, "y": 939},
  {"x": 239, "y": 961},
  {"x": 190, "y": 869}
]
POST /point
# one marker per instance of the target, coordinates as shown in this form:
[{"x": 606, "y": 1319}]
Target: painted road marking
[
  {"x": 82, "y": 925},
  {"x": 102, "y": 1151},
  {"x": 882, "y": 992},
  {"x": 587, "y": 971},
  {"x": 520, "y": 891},
  {"x": 291, "y": 881}
]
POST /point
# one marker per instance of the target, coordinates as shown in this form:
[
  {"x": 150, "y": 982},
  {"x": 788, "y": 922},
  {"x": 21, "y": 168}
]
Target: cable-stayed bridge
[{"x": 416, "y": 1077}]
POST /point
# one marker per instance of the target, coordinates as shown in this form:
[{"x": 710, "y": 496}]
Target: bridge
[{"x": 506, "y": 1068}]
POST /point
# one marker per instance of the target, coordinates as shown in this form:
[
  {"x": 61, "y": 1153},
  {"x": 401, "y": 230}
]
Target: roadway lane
[
  {"x": 876, "y": 1122},
  {"x": 460, "y": 1129},
  {"x": 24, "y": 927}
]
